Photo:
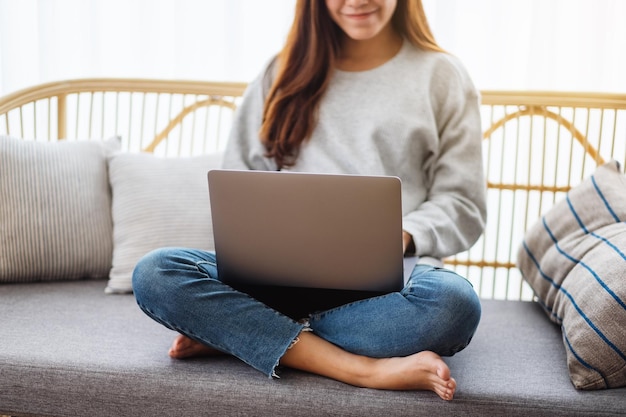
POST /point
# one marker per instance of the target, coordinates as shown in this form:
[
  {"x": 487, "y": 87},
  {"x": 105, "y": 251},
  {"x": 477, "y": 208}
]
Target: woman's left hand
[{"x": 407, "y": 241}]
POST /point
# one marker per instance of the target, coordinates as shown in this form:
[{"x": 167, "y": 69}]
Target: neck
[{"x": 362, "y": 55}]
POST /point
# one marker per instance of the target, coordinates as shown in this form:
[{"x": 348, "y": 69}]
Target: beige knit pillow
[
  {"x": 575, "y": 261},
  {"x": 157, "y": 202}
]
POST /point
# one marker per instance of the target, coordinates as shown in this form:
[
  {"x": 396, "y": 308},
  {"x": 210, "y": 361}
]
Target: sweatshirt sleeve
[
  {"x": 453, "y": 216},
  {"x": 244, "y": 149}
]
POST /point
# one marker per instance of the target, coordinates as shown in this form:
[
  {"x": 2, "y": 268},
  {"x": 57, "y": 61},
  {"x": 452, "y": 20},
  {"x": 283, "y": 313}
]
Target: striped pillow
[
  {"x": 575, "y": 261},
  {"x": 55, "y": 210},
  {"x": 157, "y": 202}
]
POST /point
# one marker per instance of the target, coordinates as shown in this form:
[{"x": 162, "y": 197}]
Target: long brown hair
[{"x": 305, "y": 67}]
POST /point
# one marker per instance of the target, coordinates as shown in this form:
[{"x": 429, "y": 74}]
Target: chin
[{"x": 362, "y": 35}]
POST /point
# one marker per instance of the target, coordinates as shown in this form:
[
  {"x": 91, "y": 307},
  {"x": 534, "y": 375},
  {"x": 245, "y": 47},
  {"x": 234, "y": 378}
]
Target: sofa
[{"x": 90, "y": 176}]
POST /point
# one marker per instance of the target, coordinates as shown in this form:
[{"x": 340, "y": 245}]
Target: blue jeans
[{"x": 437, "y": 310}]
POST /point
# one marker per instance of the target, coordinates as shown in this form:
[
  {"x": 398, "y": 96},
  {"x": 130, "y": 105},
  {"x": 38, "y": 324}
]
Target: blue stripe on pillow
[
  {"x": 587, "y": 267},
  {"x": 547, "y": 278},
  {"x": 606, "y": 203},
  {"x": 608, "y": 242},
  {"x": 581, "y": 360},
  {"x": 573, "y": 210},
  {"x": 560, "y": 288}
]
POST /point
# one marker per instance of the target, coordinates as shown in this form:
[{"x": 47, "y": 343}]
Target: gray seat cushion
[{"x": 66, "y": 348}]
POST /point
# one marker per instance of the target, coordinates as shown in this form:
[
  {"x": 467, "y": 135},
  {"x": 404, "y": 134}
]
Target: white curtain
[
  {"x": 505, "y": 44},
  {"x": 50, "y": 40},
  {"x": 567, "y": 45}
]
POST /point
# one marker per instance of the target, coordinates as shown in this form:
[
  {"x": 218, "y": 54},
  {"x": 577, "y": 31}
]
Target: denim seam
[{"x": 317, "y": 316}]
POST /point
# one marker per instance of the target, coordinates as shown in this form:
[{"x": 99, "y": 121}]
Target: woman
[{"x": 360, "y": 87}]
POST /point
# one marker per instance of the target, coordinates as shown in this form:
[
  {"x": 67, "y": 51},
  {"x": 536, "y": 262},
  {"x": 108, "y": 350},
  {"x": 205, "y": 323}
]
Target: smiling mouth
[{"x": 359, "y": 16}]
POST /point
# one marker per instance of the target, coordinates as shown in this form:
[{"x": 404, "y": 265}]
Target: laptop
[{"x": 303, "y": 242}]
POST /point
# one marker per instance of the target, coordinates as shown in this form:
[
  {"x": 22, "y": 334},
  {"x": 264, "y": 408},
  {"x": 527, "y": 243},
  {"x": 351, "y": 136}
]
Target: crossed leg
[{"x": 420, "y": 371}]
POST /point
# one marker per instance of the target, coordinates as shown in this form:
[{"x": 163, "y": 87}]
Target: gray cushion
[
  {"x": 574, "y": 259},
  {"x": 55, "y": 210},
  {"x": 157, "y": 202},
  {"x": 69, "y": 349}
]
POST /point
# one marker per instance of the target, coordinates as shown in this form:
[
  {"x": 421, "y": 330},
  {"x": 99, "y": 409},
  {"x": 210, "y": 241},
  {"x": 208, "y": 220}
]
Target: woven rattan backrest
[
  {"x": 536, "y": 146},
  {"x": 169, "y": 118}
]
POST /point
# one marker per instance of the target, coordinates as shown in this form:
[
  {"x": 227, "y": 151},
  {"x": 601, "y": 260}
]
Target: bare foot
[
  {"x": 184, "y": 347},
  {"x": 421, "y": 371}
]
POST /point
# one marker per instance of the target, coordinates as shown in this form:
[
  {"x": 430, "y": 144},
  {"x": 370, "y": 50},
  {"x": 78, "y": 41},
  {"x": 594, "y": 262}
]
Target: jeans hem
[{"x": 303, "y": 328}]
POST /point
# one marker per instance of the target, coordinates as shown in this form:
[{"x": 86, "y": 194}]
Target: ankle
[{"x": 367, "y": 372}]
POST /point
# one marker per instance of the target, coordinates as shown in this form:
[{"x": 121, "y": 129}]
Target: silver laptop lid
[{"x": 307, "y": 230}]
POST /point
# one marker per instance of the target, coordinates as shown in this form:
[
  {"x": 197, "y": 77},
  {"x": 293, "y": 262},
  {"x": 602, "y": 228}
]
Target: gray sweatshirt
[{"x": 415, "y": 117}]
